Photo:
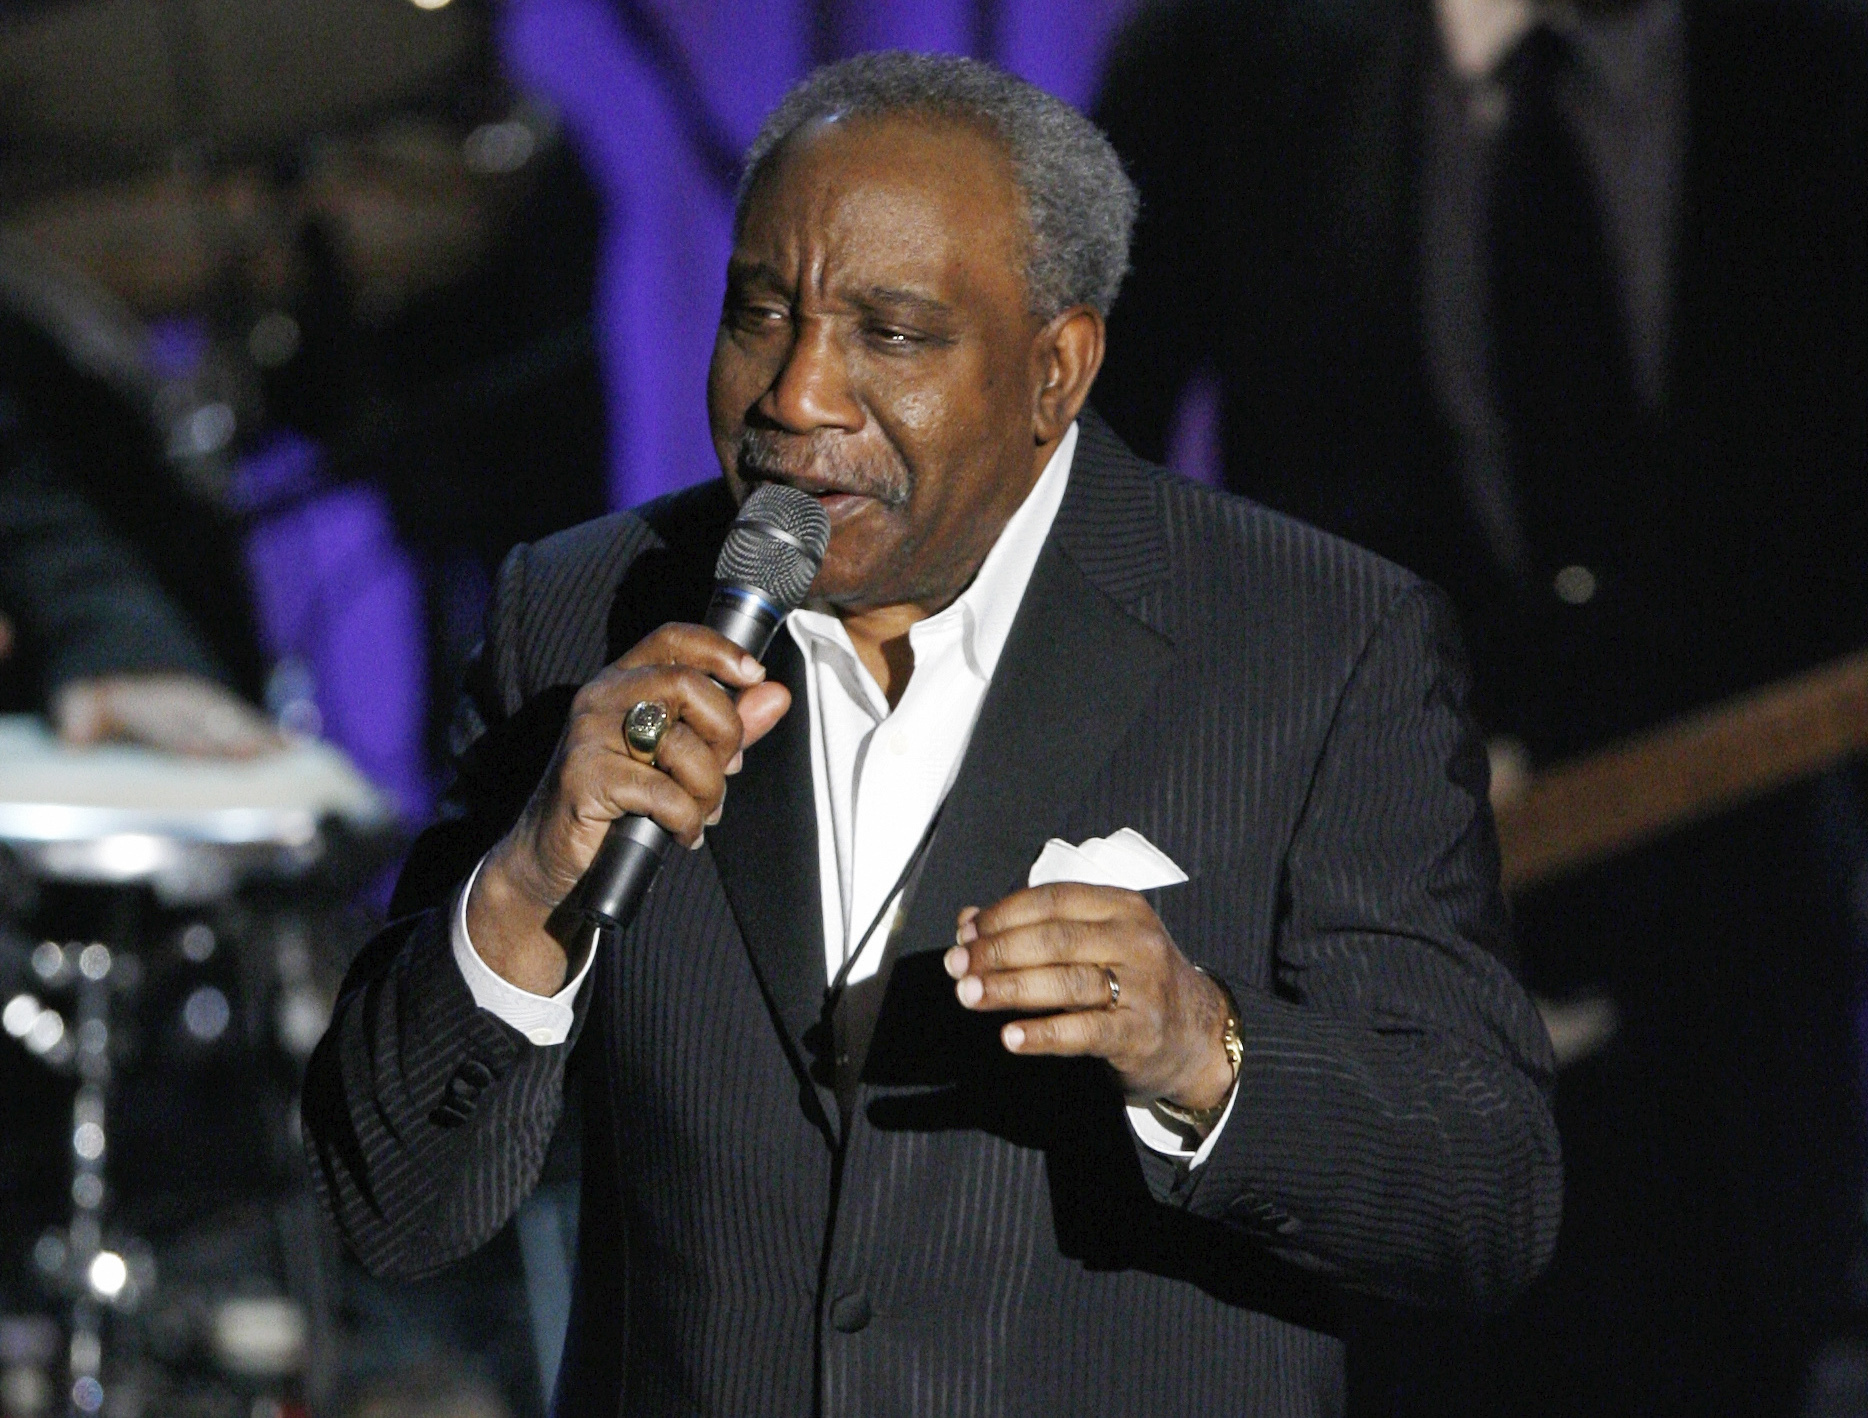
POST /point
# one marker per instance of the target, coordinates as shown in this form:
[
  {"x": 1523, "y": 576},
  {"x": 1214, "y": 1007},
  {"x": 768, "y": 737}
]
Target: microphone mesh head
[{"x": 760, "y": 550}]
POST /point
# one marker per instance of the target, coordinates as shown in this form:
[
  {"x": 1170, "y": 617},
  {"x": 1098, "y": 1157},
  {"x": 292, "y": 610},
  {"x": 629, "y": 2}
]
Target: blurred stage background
[{"x": 310, "y": 312}]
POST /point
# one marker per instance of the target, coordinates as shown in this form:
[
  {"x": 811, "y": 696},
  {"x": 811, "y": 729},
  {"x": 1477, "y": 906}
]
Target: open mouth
[
  {"x": 837, "y": 502},
  {"x": 835, "y": 499}
]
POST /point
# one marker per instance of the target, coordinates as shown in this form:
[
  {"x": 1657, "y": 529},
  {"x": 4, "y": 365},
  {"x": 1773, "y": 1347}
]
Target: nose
[{"x": 812, "y": 390}]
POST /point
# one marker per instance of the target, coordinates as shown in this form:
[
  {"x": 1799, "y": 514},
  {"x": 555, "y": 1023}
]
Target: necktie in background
[{"x": 1582, "y": 471}]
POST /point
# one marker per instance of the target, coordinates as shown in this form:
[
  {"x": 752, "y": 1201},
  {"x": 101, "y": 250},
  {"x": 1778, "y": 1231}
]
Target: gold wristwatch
[{"x": 1202, "y": 1120}]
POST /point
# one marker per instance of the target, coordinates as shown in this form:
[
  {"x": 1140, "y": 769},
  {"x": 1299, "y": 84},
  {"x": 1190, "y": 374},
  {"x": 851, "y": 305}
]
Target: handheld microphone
[{"x": 770, "y": 558}]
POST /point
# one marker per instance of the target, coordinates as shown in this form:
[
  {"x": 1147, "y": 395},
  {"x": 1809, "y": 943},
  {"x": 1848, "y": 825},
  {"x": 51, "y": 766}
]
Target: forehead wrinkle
[
  {"x": 893, "y": 241},
  {"x": 834, "y": 192}
]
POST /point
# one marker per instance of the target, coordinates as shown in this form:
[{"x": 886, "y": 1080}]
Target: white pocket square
[{"x": 1125, "y": 859}]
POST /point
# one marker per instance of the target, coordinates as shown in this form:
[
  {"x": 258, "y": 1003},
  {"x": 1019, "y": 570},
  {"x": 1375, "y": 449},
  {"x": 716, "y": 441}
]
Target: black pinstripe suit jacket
[{"x": 1278, "y": 711}]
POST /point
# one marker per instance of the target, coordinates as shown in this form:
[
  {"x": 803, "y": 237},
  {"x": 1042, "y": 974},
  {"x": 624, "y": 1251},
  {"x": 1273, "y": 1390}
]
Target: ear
[{"x": 1066, "y": 355}]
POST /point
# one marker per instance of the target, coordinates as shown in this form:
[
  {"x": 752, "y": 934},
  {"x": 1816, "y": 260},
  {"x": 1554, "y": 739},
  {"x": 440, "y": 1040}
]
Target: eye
[
  {"x": 890, "y": 337},
  {"x": 753, "y": 315}
]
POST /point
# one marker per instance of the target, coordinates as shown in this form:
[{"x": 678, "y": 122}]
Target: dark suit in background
[
  {"x": 1280, "y": 713},
  {"x": 1714, "y": 1151},
  {"x": 108, "y": 565}
]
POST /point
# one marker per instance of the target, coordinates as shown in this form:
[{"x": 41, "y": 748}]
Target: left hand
[
  {"x": 176, "y": 712},
  {"x": 1048, "y": 952}
]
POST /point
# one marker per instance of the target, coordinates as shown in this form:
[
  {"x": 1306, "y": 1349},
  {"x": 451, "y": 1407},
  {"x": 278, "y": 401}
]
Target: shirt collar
[
  {"x": 983, "y": 613},
  {"x": 1619, "y": 50},
  {"x": 1478, "y": 34}
]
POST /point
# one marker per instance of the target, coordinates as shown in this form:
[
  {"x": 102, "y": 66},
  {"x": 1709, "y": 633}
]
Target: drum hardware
[
  {"x": 116, "y": 827},
  {"x": 92, "y": 1270}
]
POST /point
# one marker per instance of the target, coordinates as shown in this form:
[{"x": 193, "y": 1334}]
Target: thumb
[{"x": 760, "y": 707}]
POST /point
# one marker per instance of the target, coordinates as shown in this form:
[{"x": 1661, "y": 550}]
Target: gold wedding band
[
  {"x": 644, "y": 727},
  {"x": 1115, "y": 987}
]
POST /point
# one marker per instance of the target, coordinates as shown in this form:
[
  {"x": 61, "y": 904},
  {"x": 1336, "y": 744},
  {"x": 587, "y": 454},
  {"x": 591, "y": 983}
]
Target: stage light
[
  {"x": 430, "y": 4},
  {"x": 51, "y": 1254},
  {"x": 20, "y": 1014},
  {"x": 273, "y": 340},
  {"x": 498, "y": 148},
  {"x": 198, "y": 943},
  {"x": 206, "y": 1013},
  {"x": 46, "y": 1032},
  {"x": 202, "y": 431},
  {"x": 260, "y": 1336},
  {"x": 128, "y": 856},
  {"x": 48, "y": 961},
  {"x": 108, "y": 1275}
]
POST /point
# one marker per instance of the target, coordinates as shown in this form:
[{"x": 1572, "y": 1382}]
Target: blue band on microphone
[{"x": 750, "y": 602}]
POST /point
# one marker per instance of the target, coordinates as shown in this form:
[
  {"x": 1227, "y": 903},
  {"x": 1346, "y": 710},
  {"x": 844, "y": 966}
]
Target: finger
[
  {"x": 690, "y": 695},
  {"x": 1094, "y": 1032},
  {"x": 226, "y": 727},
  {"x": 1049, "y": 987},
  {"x": 760, "y": 709},
  {"x": 686, "y": 757},
  {"x": 1049, "y": 942},
  {"x": 1071, "y": 900},
  {"x": 600, "y": 783},
  {"x": 698, "y": 648}
]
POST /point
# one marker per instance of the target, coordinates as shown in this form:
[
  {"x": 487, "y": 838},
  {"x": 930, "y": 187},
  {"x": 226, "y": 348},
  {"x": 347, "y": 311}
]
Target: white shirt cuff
[
  {"x": 1157, "y": 1136},
  {"x": 544, "y": 1019}
]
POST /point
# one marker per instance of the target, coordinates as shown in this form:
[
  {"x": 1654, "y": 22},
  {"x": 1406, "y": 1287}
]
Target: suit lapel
[
  {"x": 1076, "y": 671},
  {"x": 765, "y": 848}
]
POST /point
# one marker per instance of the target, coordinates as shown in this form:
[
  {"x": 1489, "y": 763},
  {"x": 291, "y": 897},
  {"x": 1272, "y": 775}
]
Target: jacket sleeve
[
  {"x": 81, "y": 594},
  {"x": 427, "y": 1118},
  {"x": 1393, "y": 1126}
]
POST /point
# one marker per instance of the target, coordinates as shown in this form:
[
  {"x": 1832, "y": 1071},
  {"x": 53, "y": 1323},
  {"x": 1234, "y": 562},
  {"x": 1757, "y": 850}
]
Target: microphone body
[
  {"x": 612, "y": 887},
  {"x": 771, "y": 556}
]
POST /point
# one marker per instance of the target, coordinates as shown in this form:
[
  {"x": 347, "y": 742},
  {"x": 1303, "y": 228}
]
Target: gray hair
[{"x": 1079, "y": 203}]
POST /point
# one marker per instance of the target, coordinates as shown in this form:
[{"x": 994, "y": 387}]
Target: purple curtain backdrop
[{"x": 339, "y": 605}]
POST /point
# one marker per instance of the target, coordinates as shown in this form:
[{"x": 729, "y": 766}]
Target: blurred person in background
[
  {"x": 297, "y": 344},
  {"x": 1567, "y": 309},
  {"x": 382, "y": 283},
  {"x": 109, "y": 639}
]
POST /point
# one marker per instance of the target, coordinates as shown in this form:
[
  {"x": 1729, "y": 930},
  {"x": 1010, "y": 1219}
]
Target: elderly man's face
[{"x": 876, "y": 350}]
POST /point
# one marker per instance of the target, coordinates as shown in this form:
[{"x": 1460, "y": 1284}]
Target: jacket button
[
  {"x": 850, "y": 1314},
  {"x": 1575, "y": 585}
]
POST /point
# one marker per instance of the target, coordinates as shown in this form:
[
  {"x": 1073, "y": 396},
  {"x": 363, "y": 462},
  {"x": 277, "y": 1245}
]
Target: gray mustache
[{"x": 821, "y": 458}]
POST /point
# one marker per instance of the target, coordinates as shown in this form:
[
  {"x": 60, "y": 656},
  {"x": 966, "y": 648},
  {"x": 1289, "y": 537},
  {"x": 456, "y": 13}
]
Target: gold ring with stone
[
  {"x": 644, "y": 727},
  {"x": 1115, "y": 987}
]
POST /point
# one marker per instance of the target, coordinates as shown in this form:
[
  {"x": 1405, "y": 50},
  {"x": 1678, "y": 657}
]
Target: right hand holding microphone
[{"x": 593, "y": 779}]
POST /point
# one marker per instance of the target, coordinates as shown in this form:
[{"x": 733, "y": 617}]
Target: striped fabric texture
[{"x": 1283, "y": 715}]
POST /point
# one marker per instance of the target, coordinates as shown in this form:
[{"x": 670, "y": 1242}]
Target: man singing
[{"x": 1187, "y": 1018}]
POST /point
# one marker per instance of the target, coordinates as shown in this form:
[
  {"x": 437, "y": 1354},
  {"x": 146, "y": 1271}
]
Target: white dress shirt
[{"x": 878, "y": 774}]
